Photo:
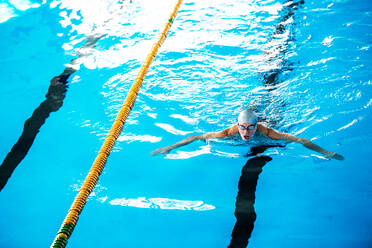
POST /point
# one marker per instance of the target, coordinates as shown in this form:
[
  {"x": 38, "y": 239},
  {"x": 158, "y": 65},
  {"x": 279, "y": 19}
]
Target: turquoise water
[{"x": 303, "y": 65}]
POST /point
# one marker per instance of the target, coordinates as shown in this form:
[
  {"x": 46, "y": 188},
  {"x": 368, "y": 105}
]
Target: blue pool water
[{"x": 305, "y": 66}]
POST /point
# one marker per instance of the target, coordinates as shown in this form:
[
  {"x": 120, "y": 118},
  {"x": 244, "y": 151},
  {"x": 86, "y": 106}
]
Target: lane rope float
[{"x": 90, "y": 181}]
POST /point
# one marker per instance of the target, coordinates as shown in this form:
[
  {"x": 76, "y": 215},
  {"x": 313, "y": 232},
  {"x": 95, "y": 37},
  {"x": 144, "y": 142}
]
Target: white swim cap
[{"x": 247, "y": 116}]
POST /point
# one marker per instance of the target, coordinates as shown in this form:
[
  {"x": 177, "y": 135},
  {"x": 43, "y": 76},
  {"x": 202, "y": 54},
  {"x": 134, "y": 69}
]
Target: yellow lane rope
[{"x": 90, "y": 181}]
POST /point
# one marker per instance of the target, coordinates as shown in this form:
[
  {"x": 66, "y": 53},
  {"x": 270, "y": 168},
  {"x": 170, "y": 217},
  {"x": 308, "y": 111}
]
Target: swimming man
[{"x": 247, "y": 126}]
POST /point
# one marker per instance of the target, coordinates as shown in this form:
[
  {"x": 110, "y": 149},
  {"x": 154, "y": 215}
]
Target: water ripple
[{"x": 220, "y": 58}]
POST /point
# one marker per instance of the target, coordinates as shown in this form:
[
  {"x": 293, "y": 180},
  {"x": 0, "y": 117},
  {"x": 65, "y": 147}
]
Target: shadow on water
[{"x": 53, "y": 102}]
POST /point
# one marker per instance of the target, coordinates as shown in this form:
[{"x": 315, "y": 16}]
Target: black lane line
[
  {"x": 244, "y": 207},
  {"x": 54, "y": 100},
  {"x": 272, "y": 78}
]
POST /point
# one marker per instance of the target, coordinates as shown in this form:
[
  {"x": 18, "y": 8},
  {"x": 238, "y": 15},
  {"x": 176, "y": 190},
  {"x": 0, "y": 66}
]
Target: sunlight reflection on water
[{"x": 162, "y": 203}]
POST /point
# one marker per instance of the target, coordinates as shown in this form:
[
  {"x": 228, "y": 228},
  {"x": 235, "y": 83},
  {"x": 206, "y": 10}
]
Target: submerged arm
[
  {"x": 188, "y": 140},
  {"x": 273, "y": 134}
]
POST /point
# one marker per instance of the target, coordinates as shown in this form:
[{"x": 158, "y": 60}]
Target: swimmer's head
[
  {"x": 247, "y": 116},
  {"x": 247, "y": 124}
]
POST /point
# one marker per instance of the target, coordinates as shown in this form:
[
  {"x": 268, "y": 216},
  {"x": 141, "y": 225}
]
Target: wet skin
[{"x": 245, "y": 134}]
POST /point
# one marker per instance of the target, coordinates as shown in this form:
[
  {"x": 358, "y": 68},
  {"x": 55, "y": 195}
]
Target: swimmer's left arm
[
  {"x": 211, "y": 135},
  {"x": 273, "y": 134}
]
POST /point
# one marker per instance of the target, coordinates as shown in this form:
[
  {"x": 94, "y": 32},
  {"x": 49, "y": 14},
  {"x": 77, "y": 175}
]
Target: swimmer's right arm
[
  {"x": 212, "y": 135},
  {"x": 273, "y": 134}
]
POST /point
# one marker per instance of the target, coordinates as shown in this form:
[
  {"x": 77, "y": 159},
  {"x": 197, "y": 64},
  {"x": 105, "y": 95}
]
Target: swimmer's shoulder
[
  {"x": 228, "y": 132},
  {"x": 262, "y": 128},
  {"x": 231, "y": 130}
]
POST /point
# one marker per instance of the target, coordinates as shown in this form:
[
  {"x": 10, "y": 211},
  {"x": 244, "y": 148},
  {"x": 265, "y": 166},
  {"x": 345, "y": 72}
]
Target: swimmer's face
[{"x": 247, "y": 130}]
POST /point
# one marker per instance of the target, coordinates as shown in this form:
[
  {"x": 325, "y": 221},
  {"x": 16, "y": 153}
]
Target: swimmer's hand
[
  {"x": 333, "y": 155},
  {"x": 163, "y": 150},
  {"x": 314, "y": 147},
  {"x": 167, "y": 149}
]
